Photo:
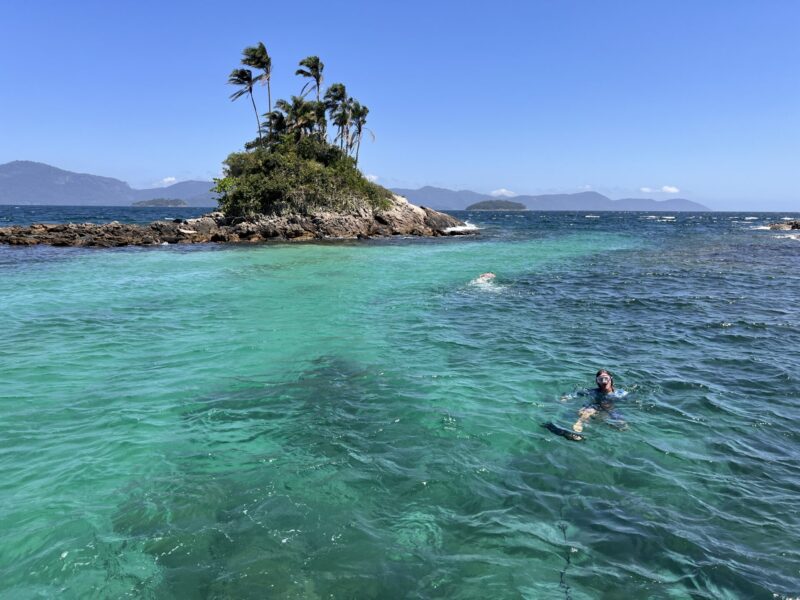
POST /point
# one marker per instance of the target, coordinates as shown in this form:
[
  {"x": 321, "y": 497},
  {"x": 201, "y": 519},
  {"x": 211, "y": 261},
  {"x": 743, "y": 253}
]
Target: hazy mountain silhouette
[
  {"x": 27, "y": 182},
  {"x": 443, "y": 199}
]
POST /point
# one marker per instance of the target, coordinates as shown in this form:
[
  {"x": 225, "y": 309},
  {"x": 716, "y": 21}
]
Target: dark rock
[{"x": 785, "y": 226}]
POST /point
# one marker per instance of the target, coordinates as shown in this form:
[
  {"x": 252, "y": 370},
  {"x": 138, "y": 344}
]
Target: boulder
[{"x": 785, "y": 226}]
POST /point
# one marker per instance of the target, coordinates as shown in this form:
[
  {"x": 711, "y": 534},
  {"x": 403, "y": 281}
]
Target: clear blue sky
[{"x": 533, "y": 97}]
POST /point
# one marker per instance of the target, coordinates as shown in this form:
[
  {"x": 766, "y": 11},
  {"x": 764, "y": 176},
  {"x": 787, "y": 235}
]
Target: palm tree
[
  {"x": 358, "y": 114},
  {"x": 336, "y": 103},
  {"x": 313, "y": 70},
  {"x": 320, "y": 119},
  {"x": 300, "y": 115},
  {"x": 258, "y": 58},
  {"x": 341, "y": 118},
  {"x": 244, "y": 78},
  {"x": 276, "y": 121}
]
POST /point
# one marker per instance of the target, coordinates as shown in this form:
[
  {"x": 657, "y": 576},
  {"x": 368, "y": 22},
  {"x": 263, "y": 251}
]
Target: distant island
[
  {"x": 162, "y": 202},
  {"x": 497, "y": 205}
]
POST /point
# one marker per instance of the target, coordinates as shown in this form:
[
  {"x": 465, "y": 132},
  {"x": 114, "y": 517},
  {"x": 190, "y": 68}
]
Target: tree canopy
[{"x": 299, "y": 165}]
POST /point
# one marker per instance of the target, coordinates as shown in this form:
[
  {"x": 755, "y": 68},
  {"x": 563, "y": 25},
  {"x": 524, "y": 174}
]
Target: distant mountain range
[
  {"x": 443, "y": 199},
  {"x": 26, "y": 182}
]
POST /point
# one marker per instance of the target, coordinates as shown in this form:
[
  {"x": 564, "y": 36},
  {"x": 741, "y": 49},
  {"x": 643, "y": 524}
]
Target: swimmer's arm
[
  {"x": 584, "y": 415},
  {"x": 566, "y": 397}
]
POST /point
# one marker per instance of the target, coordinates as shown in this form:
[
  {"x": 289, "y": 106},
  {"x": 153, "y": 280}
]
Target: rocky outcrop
[
  {"x": 785, "y": 226},
  {"x": 401, "y": 218}
]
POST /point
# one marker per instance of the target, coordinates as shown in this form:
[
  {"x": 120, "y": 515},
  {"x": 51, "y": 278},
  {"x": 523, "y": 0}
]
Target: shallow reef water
[{"x": 359, "y": 420}]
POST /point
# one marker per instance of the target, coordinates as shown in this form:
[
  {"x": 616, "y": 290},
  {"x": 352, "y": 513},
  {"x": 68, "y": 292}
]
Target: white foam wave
[
  {"x": 466, "y": 227},
  {"x": 592, "y": 216},
  {"x": 788, "y": 236},
  {"x": 486, "y": 283},
  {"x": 486, "y": 286},
  {"x": 751, "y": 218},
  {"x": 760, "y": 227}
]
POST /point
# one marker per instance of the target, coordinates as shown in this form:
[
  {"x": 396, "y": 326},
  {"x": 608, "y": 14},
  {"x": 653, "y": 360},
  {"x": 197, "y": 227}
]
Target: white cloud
[
  {"x": 664, "y": 189},
  {"x": 502, "y": 193},
  {"x": 586, "y": 187},
  {"x": 166, "y": 181},
  {"x": 372, "y": 178}
]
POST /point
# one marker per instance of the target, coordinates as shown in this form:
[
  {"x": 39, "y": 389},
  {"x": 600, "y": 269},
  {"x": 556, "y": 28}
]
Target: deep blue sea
[{"x": 363, "y": 419}]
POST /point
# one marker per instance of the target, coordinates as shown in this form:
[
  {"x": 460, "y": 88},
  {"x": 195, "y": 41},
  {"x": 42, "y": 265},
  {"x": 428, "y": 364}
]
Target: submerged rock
[
  {"x": 401, "y": 218},
  {"x": 785, "y": 226}
]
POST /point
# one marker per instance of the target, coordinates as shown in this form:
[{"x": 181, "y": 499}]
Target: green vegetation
[
  {"x": 292, "y": 167},
  {"x": 170, "y": 202},
  {"x": 497, "y": 205}
]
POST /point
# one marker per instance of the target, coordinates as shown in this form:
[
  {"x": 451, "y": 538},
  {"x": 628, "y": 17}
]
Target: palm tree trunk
[
  {"x": 258, "y": 121},
  {"x": 269, "y": 100},
  {"x": 358, "y": 147}
]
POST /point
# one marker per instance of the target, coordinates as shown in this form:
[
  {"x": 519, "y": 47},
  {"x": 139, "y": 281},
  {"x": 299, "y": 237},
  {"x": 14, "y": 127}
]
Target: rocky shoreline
[{"x": 402, "y": 218}]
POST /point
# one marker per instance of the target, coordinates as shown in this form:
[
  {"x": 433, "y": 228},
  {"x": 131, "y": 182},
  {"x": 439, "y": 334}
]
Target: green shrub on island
[
  {"x": 296, "y": 177},
  {"x": 293, "y": 166}
]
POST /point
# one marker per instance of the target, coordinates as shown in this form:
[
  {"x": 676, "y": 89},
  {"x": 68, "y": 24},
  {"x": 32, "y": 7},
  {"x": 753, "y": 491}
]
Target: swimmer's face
[{"x": 603, "y": 381}]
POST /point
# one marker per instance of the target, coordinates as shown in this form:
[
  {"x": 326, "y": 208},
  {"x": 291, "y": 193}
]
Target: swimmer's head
[{"x": 605, "y": 380}]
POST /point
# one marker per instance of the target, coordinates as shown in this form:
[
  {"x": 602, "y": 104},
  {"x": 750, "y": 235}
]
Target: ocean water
[
  {"x": 28, "y": 214},
  {"x": 360, "y": 420}
]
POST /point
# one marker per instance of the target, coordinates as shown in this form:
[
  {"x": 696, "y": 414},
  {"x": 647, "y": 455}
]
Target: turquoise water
[{"x": 358, "y": 420}]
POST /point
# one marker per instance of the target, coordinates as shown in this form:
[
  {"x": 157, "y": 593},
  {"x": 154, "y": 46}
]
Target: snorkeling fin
[{"x": 565, "y": 433}]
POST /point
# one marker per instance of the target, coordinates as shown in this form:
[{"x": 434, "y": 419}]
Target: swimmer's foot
[
  {"x": 578, "y": 427},
  {"x": 566, "y": 433}
]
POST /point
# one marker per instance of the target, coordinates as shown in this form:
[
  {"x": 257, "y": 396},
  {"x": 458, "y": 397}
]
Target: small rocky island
[
  {"x": 497, "y": 205},
  {"x": 162, "y": 203},
  {"x": 400, "y": 218},
  {"x": 298, "y": 180}
]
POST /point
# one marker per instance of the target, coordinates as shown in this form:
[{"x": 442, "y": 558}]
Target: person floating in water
[
  {"x": 485, "y": 280},
  {"x": 601, "y": 402}
]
